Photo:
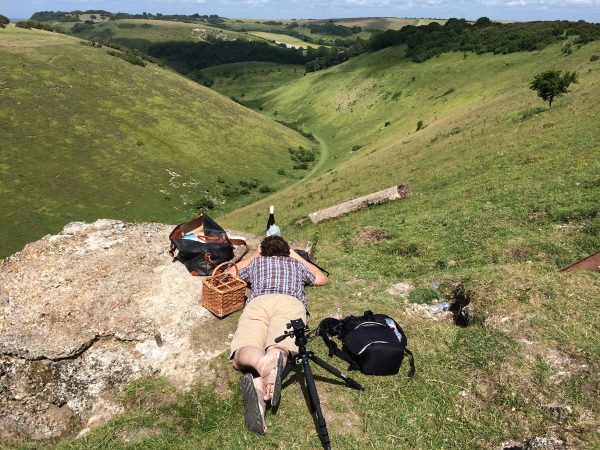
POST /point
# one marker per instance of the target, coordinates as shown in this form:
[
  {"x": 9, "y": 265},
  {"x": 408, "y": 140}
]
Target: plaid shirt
[{"x": 277, "y": 275}]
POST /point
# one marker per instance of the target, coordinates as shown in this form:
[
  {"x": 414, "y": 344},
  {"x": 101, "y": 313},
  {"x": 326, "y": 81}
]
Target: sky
[{"x": 520, "y": 10}]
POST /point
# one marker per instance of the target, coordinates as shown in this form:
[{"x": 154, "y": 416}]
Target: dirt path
[{"x": 317, "y": 168}]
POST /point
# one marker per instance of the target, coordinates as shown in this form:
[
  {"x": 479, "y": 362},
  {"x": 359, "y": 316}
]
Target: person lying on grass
[{"x": 277, "y": 276}]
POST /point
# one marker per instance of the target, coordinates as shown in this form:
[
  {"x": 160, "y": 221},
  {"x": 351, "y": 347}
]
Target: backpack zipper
[
  {"x": 370, "y": 343},
  {"x": 369, "y": 324}
]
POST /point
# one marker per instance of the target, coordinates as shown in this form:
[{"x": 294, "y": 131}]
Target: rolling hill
[
  {"x": 504, "y": 194},
  {"x": 87, "y": 135}
]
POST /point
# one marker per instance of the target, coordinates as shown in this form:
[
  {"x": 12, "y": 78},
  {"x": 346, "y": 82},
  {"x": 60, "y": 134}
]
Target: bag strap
[
  {"x": 239, "y": 242},
  {"x": 411, "y": 361},
  {"x": 331, "y": 327}
]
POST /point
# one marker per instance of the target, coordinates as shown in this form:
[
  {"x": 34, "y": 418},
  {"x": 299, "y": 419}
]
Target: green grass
[
  {"x": 86, "y": 135},
  {"x": 140, "y": 33},
  {"x": 253, "y": 26},
  {"x": 504, "y": 194},
  {"x": 250, "y": 81}
]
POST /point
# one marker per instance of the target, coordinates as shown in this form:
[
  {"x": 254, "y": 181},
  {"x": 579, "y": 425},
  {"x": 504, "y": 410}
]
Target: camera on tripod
[
  {"x": 297, "y": 325},
  {"x": 298, "y": 329}
]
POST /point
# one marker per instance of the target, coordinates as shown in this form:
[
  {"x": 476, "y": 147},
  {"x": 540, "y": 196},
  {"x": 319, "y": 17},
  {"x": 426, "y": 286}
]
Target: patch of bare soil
[{"x": 369, "y": 235}]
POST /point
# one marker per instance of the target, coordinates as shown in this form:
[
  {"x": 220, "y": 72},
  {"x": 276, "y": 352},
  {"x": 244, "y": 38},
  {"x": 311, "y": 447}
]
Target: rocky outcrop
[{"x": 85, "y": 312}]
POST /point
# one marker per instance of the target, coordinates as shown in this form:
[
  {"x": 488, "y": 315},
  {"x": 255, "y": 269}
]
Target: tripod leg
[
  {"x": 316, "y": 404},
  {"x": 332, "y": 370},
  {"x": 288, "y": 368}
]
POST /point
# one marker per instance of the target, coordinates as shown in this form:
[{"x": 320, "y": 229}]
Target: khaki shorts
[{"x": 264, "y": 319}]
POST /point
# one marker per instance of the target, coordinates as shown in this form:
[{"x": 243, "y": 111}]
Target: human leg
[{"x": 282, "y": 310}]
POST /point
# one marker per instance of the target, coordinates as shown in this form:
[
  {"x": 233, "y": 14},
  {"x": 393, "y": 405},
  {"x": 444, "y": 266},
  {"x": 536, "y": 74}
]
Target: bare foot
[{"x": 269, "y": 372}]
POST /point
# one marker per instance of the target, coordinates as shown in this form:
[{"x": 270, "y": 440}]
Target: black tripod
[{"x": 298, "y": 329}]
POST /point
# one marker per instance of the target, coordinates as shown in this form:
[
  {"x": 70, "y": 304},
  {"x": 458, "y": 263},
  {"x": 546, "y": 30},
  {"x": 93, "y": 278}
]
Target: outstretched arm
[
  {"x": 320, "y": 278},
  {"x": 244, "y": 262}
]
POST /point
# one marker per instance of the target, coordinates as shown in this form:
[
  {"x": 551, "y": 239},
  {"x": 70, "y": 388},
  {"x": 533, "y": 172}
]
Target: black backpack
[{"x": 372, "y": 343}]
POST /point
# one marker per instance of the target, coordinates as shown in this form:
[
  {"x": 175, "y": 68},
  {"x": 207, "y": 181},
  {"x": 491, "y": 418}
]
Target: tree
[
  {"x": 551, "y": 84},
  {"x": 3, "y": 21},
  {"x": 483, "y": 22}
]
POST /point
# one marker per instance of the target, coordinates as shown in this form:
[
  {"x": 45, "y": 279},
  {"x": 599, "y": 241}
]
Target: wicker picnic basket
[{"x": 223, "y": 293}]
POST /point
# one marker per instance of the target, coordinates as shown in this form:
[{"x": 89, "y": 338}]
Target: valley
[{"x": 504, "y": 194}]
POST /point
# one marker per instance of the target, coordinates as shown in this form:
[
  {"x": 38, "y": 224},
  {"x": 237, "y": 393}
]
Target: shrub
[
  {"x": 281, "y": 171},
  {"x": 387, "y": 124},
  {"x": 220, "y": 180},
  {"x": 301, "y": 166},
  {"x": 301, "y": 155},
  {"x": 204, "y": 203},
  {"x": 356, "y": 147},
  {"x": 265, "y": 188},
  {"x": 420, "y": 125},
  {"x": 397, "y": 95},
  {"x": 129, "y": 57},
  {"x": 594, "y": 58},
  {"x": 249, "y": 184},
  {"x": 140, "y": 143},
  {"x": 79, "y": 28},
  {"x": 4, "y": 21},
  {"x": 29, "y": 24}
]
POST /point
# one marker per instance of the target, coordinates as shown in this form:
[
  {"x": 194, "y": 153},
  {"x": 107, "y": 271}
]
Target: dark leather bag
[{"x": 201, "y": 258}]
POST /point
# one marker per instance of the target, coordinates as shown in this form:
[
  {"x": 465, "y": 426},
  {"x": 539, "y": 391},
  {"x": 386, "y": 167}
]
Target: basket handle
[{"x": 226, "y": 263}]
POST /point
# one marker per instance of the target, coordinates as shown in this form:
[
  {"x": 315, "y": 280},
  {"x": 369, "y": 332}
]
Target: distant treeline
[
  {"x": 332, "y": 29},
  {"x": 483, "y": 36},
  {"x": 30, "y": 24},
  {"x": 73, "y": 16},
  {"x": 188, "y": 57}
]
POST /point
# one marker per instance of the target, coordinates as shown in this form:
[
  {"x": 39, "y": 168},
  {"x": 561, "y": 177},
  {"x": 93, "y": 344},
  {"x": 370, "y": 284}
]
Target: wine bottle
[{"x": 272, "y": 228}]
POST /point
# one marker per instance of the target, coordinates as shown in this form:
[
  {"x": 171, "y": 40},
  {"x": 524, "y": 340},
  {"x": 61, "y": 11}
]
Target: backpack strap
[
  {"x": 411, "y": 361},
  {"x": 332, "y": 327}
]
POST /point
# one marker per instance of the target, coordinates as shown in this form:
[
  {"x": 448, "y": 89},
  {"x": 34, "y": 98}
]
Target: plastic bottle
[
  {"x": 392, "y": 325},
  {"x": 439, "y": 307}
]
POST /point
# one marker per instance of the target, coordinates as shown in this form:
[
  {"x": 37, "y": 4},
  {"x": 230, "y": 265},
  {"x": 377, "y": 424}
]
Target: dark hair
[{"x": 274, "y": 246}]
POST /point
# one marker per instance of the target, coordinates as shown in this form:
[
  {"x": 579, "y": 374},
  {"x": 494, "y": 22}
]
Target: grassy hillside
[
  {"x": 87, "y": 135},
  {"x": 142, "y": 33},
  {"x": 251, "y": 81},
  {"x": 504, "y": 193},
  {"x": 383, "y": 23}
]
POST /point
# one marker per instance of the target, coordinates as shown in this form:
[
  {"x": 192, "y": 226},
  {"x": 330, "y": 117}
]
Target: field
[
  {"x": 504, "y": 194},
  {"x": 280, "y": 27},
  {"x": 382, "y": 23},
  {"x": 141, "y": 33},
  {"x": 250, "y": 81},
  {"x": 289, "y": 41},
  {"x": 86, "y": 135}
]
